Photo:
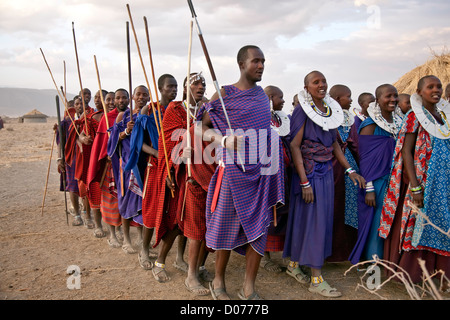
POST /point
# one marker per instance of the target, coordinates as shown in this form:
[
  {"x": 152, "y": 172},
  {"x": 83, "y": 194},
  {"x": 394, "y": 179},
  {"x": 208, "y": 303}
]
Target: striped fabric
[
  {"x": 109, "y": 206},
  {"x": 243, "y": 211}
]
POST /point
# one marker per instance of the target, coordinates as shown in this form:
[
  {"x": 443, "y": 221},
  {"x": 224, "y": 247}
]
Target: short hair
[
  {"x": 379, "y": 89},
  {"x": 306, "y": 79},
  {"x": 421, "y": 82},
  {"x": 140, "y": 86},
  {"x": 163, "y": 78},
  {"x": 124, "y": 90},
  {"x": 363, "y": 96},
  {"x": 337, "y": 90},
  {"x": 243, "y": 52}
]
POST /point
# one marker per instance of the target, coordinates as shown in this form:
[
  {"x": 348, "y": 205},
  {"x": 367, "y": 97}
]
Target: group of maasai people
[{"x": 327, "y": 183}]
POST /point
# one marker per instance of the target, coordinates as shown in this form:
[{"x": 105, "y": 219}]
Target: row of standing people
[{"x": 135, "y": 174}]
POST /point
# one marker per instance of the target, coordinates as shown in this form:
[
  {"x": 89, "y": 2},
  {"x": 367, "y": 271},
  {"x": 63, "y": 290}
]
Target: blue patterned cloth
[
  {"x": 351, "y": 191},
  {"x": 436, "y": 199}
]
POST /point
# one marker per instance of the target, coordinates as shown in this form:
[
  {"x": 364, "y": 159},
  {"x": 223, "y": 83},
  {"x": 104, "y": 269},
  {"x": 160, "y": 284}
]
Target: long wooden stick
[
  {"x": 143, "y": 68},
  {"x": 213, "y": 74},
  {"x": 64, "y": 91},
  {"x": 62, "y": 143},
  {"x": 57, "y": 90},
  {"x": 129, "y": 71},
  {"x": 188, "y": 99},
  {"x": 79, "y": 77},
  {"x": 105, "y": 112},
  {"x": 158, "y": 104},
  {"x": 48, "y": 172},
  {"x": 150, "y": 95}
]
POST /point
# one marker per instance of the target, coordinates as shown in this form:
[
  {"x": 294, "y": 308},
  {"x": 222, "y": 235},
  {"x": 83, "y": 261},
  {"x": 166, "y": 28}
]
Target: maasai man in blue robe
[
  {"x": 129, "y": 197},
  {"x": 240, "y": 203}
]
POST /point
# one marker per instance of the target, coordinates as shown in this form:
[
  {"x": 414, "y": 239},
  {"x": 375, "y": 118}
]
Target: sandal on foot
[
  {"x": 252, "y": 296},
  {"x": 298, "y": 275},
  {"x": 160, "y": 268},
  {"x": 113, "y": 243},
  {"x": 89, "y": 223},
  {"x": 99, "y": 233},
  {"x": 182, "y": 267},
  {"x": 199, "y": 290},
  {"x": 128, "y": 249},
  {"x": 216, "y": 293},
  {"x": 325, "y": 290},
  {"x": 78, "y": 221},
  {"x": 145, "y": 263}
]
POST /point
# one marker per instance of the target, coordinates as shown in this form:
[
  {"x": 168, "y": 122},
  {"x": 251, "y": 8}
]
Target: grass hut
[
  {"x": 34, "y": 116},
  {"x": 438, "y": 66}
]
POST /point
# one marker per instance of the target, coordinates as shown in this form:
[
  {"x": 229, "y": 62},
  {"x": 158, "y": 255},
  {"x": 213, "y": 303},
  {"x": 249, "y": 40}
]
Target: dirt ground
[{"x": 37, "y": 249}]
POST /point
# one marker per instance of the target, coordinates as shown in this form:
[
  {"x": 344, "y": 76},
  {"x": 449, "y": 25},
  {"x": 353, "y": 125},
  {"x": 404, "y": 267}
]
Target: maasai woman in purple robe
[
  {"x": 377, "y": 136},
  {"x": 313, "y": 143}
]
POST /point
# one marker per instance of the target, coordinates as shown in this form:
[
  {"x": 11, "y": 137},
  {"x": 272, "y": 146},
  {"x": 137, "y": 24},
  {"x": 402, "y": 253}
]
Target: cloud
[{"x": 361, "y": 43}]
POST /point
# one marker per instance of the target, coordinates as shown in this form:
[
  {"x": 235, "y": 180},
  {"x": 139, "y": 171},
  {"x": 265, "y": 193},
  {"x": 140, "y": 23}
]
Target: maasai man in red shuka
[
  {"x": 100, "y": 171},
  {"x": 239, "y": 204},
  {"x": 169, "y": 204},
  {"x": 79, "y": 149},
  {"x": 202, "y": 167},
  {"x": 145, "y": 128}
]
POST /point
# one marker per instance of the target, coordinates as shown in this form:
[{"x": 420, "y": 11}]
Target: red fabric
[
  {"x": 193, "y": 205},
  {"x": 149, "y": 219},
  {"x": 109, "y": 206},
  {"x": 163, "y": 205},
  {"x": 96, "y": 169}
]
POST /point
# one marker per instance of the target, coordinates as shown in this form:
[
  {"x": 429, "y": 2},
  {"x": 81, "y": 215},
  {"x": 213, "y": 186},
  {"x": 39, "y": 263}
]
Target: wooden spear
[
  {"x": 79, "y": 77},
  {"x": 129, "y": 71},
  {"x": 143, "y": 67},
  {"x": 57, "y": 90},
  {"x": 62, "y": 143},
  {"x": 48, "y": 172},
  {"x": 188, "y": 100},
  {"x": 157, "y": 102},
  {"x": 150, "y": 94},
  {"x": 105, "y": 114},
  {"x": 213, "y": 74}
]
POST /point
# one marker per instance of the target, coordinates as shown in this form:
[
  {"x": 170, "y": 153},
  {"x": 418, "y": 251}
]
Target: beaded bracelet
[
  {"x": 305, "y": 184},
  {"x": 370, "y": 187},
  {"x": 349, "y": 171},
  {"x": 416, "y": 189}
]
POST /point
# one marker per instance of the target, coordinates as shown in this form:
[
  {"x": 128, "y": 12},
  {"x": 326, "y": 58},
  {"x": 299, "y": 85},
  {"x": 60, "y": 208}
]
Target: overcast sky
[{"x": 361, "y": 43}]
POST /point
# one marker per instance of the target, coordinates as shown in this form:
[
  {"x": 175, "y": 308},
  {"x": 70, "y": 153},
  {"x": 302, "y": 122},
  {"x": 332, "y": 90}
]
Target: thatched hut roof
[
  {"x": 438, "y": 66},
  {"x": 34, "y": 114}
]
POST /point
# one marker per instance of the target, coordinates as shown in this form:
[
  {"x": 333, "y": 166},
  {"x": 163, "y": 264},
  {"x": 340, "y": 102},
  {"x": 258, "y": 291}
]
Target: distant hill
[{"x": 15, "y": 102}]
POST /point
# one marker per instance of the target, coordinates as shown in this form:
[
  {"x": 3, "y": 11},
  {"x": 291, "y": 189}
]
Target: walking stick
[
  {"x": 150, "y": 94},
  {"x": 57, "y": 90},
  {"x": 79, "y": 77},
  {"x": 157, "y": 103},
  {"x": 105, "y": 113},
  {"x": 48, "y": 172},
  {"x": 62, "y": 142},
  {"x": 129, "y": 71},
  {"x": 143, "y": 68},
  {"x": 213, "y": 74},
  {"x": 188, "y": 100}
]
